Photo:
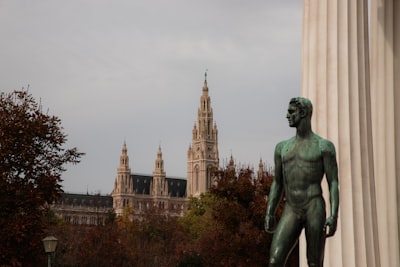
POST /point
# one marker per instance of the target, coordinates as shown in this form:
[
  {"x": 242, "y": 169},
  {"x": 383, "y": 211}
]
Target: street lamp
[{"x": 50, "y": 244}]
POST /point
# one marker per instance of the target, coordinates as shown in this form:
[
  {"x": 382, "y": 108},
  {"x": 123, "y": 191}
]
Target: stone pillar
[
  {"x": 385, "y": 99},
  {"x": 335, "y": 76}
]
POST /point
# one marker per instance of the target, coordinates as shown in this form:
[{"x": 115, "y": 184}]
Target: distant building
[
  {"x": 141, "y": 192},
  {"x": 83, "y": 209}
]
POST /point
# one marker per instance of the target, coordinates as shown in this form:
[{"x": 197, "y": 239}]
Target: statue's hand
[
  {"x": 269, "y": 223},
  {"x": 331, "y": 223}
]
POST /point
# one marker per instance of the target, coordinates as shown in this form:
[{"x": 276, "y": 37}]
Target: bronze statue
[{"x": 300, "y": 165}]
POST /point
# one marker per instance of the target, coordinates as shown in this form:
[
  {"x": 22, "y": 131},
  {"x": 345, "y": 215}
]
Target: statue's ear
[{"x": 303, "y": 112}]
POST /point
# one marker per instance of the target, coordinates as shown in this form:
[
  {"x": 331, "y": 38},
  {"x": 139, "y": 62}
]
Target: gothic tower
[
  {"x": 123, "y": 186},
  {"x": 159, "y": 186},
  {"x": 203, "y": 152}
]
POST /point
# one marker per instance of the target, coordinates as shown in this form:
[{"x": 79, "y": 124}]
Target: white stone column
[
  {"x": 385, "y": 98},
  {"x": 335, "y": 76}
]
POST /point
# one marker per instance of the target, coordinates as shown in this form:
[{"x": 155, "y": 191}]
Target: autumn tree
[
  {"x": 152, "y": 238},
  {"x": 90, "y": 245},
  {"x": 32, "y": 159},
  {"x": 227, "y": 223}
]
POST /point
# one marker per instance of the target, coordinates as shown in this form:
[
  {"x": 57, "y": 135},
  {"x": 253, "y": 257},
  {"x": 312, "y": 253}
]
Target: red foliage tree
[
  {"x": 227, "y": 224},
  {"x": 32, "y": 158},
  {"x": 224, "y": 227}
]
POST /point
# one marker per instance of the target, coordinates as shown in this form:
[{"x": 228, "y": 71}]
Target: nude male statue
[{"x": 300, "y": 165}]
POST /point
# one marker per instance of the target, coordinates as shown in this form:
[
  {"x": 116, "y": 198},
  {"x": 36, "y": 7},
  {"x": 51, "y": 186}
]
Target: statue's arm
[
  {"x": 331, "y": 171},
  {"x": 276, "y": 190}
]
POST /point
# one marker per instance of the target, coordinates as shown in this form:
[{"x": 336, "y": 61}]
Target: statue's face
[{"x": 293, "y": 115}]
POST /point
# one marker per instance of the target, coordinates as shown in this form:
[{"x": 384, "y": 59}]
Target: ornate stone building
[
  {"x": 203, "y": 152},
  {"x": 139, "y": 192},
  {"x": 83, "y": 209}
]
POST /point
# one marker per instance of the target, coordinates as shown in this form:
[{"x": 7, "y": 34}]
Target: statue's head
[
  {"x": 303, "y": 104},
  {"x": 299, "y": 108}
]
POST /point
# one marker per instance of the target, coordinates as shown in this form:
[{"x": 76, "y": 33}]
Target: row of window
[
  {"x": 162, "y": 205},
  {"x": 89, "y": 220},
  {"x": 84, "y": 202}
]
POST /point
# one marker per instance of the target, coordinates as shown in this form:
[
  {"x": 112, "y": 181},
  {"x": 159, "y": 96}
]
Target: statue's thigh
[
  {"x": 314, "y": 227},
  {"x": 286, "y": 234},
  {"x": 315, "y": 217}
]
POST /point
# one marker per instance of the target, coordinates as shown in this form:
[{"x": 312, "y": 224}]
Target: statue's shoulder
[
  {"x": 281, "y": 145},
  {"x": 325, "y": 145}
]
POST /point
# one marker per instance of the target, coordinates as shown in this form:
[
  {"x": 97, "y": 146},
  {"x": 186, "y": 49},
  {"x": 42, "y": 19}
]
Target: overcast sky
[{"x": 133, "y": 71}]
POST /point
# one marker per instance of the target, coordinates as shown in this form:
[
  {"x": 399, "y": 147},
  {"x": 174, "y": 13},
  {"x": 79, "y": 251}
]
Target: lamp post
[{"x": 50, "y": 244}]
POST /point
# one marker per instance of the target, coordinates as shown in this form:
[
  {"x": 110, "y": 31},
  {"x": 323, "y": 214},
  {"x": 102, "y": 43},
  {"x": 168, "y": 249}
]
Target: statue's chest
[{"x": 307, "y": 151}]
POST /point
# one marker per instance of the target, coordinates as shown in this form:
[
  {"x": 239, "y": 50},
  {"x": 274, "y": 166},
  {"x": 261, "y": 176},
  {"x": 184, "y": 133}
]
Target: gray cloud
[{"x": 133, "y": 70}]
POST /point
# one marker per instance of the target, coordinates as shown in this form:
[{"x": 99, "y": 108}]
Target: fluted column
[
  {"x": 385, "y": 96},
  {"x": 335, "y": 76}
]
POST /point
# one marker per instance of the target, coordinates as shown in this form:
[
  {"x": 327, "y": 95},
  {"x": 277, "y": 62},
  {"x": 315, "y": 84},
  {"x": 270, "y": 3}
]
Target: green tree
[{"x": 32, "y": 158}]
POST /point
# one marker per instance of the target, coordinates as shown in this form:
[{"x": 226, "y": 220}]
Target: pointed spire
[
  {"x": 205, "y": 87},
  {"x": 124, "y": 149},
  {"x": 124, "y": 159},
  {"x": 158, "y": 175},
  {"x": 159, "y": 164},
  {"x": 159, "y": 153}
]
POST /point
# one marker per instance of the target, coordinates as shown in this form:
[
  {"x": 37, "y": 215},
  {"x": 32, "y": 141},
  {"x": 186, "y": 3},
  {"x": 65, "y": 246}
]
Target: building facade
[
  {"x": 203, "y": 152},
  {"x": 137, "y": 193},
  {"x": 83, "y": 208},
  {"x": 142, "y": 192}
]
